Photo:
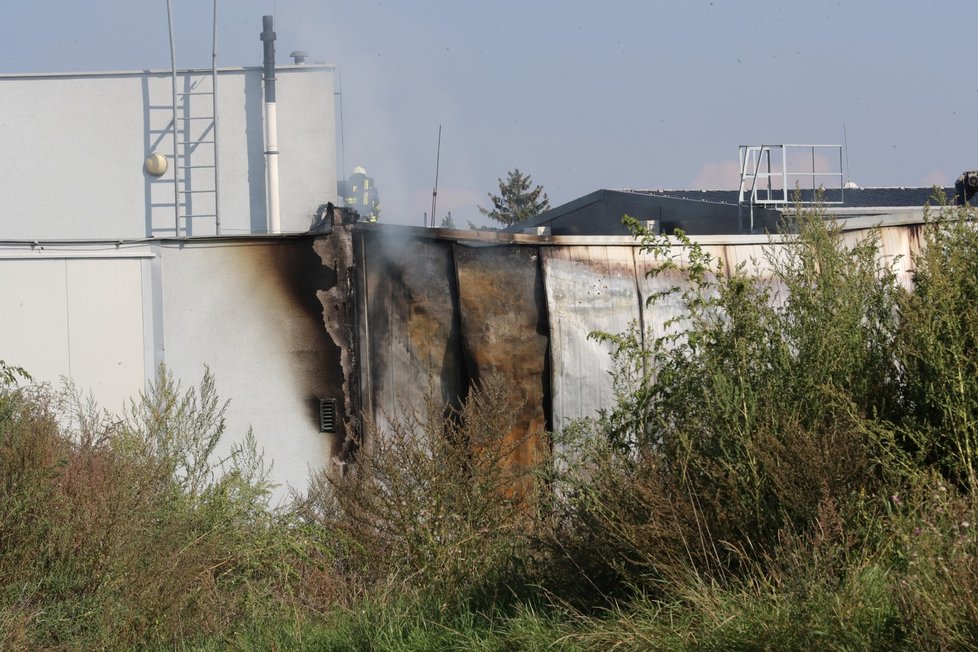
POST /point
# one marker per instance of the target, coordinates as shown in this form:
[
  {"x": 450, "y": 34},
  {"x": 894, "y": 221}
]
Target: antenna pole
[
  {"x": 434, "y": 192},
  {"x": 339, "y": 95},
  {"x": 845, "y": 146}
]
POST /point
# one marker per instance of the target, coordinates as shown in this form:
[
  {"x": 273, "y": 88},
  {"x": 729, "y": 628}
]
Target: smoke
[{"x": 720, "y": 175}]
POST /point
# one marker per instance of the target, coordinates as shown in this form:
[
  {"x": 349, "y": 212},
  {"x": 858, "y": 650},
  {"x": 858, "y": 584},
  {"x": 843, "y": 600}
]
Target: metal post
[
  {"x": 217, "y": 169},
  {"x": 176, "y": 158},
  {"x": 271, "y": 127},
  {"x": 434, "y": 191}
]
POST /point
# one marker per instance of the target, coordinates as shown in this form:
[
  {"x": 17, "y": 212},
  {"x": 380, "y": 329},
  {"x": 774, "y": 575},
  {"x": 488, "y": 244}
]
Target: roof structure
[{"x": 710, "y": 212}]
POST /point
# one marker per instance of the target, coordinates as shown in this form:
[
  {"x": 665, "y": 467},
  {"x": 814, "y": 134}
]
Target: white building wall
[
  {"x": 227, "y": 306},
  {"x": 106, "y": 317},
  {"x": 77, "y": 315},
  {"x": 74, "y": 148}
]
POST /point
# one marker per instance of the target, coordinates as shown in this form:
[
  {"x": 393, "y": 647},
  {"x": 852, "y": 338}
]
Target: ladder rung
[
  {"x": 194, "y": 167},
  {"x": 196, "y": 191},
  {"x": 198, "y": 93},
  {"x": 198, "y": 215},
  {"x": 196, "y": 142},
  {"x": 196, "y": 117}
]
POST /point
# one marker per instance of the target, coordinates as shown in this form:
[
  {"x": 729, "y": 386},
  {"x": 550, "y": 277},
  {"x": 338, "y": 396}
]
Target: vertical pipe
[
  {"x": 271, "y": 128},
  {"x": 173, "y": 92},
  {"x": 434, "y": 191},
  {"x": 217, "y": 169}
]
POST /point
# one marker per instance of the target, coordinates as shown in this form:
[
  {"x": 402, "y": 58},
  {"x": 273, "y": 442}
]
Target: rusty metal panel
[
  {"x": 588, "y": 288},
  {"x": 897, "y": 247},
  {"x": 409, "y": 325},
  {"x": 504, "y": 330}
]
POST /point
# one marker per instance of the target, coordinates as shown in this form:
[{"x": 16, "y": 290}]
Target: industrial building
[{"x": 142, "y": 228}]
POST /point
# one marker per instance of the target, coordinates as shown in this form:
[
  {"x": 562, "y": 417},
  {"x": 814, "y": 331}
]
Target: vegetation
[
  {"x": 790, "y": 464},
  {"x": 517, "y": 200}
]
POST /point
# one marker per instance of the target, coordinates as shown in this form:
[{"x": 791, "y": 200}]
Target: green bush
[
  {"x": 763, "y": 406},
  {"x": 938, "y": 340},
  {"x": 122, "y": 533}
]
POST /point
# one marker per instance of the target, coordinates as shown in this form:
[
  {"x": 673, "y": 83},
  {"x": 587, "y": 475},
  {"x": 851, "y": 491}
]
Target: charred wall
[
  {"x": 408, "y": 327},
  {"x": 504, "y": 330},
  {"x": 311, "y": 276},
  {"x": 428, "y": 315}
]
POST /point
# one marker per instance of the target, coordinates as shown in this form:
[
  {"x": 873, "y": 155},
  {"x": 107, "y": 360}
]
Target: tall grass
[
  {"x": 791, "y": 465},
  {"x": 783, "y": 446},
  {"x": 123, "y": 532}
]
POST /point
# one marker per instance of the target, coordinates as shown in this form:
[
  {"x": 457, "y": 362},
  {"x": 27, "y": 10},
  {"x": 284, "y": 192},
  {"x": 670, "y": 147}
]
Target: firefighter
[{"x": 360, "y": 194}]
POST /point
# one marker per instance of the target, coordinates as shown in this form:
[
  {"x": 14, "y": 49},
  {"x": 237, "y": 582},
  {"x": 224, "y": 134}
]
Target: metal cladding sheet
[
  {"x": 666, "y": 313},
  {"x": 410, "y": 325},
  {"x": 589, "y": 288},
  {"x": 897, "y": 246},
  {"x": 504, "y": 331},
  {"x": 756, "y": 262}
]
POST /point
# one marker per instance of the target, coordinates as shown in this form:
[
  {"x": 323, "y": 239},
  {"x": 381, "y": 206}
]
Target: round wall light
[{"x": 156, "y": 164}]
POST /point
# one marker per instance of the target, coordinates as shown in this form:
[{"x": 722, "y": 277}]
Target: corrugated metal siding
[
  {"x": 588, "y": 289},
  {"x": 669, "y": 307},
  {"x": 526, "y": 310},
  {"x": 411, "y": 343},
  {"x": 504, "y": 331}
]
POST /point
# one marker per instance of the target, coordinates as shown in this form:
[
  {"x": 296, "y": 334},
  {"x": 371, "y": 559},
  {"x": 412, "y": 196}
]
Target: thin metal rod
[
  {"x": 339, "y": 94},
  {"x": 176, "y": 157},
  {"x": 217, "y": 176},
  {"x": 434, "y": 192}
]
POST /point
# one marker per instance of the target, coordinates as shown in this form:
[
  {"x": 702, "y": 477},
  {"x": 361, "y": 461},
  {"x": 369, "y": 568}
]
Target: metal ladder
[{"x": 195, "y": 143}]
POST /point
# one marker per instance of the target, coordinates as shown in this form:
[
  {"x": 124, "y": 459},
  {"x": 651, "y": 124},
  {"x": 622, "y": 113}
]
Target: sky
[{"x": 580, "y": 95}]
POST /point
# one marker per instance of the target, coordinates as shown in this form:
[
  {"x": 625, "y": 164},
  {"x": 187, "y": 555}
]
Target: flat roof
[{"x": 167, "y": 71}]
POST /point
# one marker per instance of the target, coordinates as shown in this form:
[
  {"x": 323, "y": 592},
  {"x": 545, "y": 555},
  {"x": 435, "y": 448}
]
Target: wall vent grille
[{"x": 327, "y": 415}]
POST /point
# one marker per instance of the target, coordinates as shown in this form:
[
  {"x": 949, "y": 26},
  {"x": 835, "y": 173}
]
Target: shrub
[
  {"x": 434, "y": 503},
  {"x": 938, "y": 352},
  {"x": 121, "y": 533},
  {"x": 761, "y": 406}
]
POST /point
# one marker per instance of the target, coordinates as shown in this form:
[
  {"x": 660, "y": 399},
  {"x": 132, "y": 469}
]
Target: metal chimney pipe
[{"x": 271, "y": 128}]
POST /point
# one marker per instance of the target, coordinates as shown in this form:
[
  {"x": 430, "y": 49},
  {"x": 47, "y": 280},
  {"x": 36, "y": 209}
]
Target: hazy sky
[{"x": 581, "y": 95}]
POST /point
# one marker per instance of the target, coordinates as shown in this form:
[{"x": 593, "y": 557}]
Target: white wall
[
  {"x": 107, "y": 317},
  {"x": 74, "y": 147},
  {"x": 78, "y": 315},
  {"x": 227, "y": 305}
]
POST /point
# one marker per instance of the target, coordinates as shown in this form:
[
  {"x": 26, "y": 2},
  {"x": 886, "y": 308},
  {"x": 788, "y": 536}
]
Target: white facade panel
[
  {"x": 75, "y": 146},
  {"x": 227, "y": 307},
  {"x": 34, "y": 317},
  {"x": 105, "y": 328},
  {"x": 78, "y": 318}
]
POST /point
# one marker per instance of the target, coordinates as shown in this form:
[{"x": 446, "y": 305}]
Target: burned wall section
[
  {"x": 303, "y": 271},
  {"x": 408, "y": 324},
  {"x": 338, "y": 319},
  {"x": 505, "y": 331},
  {"x": 588, "y": 288}
]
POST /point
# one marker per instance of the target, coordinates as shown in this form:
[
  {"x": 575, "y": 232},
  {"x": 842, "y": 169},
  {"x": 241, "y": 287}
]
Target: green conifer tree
[{"x": 517, "y": 199}]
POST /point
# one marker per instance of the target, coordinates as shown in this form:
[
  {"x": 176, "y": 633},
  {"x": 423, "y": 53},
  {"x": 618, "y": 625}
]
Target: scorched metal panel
[
  {"x": 504, "y": 331},
  {"x": 411, "y": 336},
  {"x": 588, "y": 288}
]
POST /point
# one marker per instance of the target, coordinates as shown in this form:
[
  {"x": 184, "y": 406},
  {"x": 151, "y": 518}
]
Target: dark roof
[
  {"x": 700, "y": 212},
  {"x": 601, "y": 212}
]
